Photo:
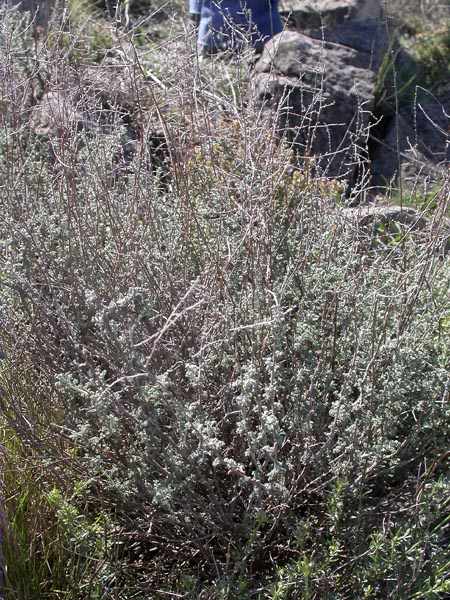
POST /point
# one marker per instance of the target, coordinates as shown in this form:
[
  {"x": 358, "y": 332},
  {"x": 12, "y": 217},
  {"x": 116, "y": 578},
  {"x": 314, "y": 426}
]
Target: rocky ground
[{"x": 355, "y": 84}]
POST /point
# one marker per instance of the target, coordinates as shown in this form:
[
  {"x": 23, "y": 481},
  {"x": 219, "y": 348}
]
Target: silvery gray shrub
[{"x": 223, "y": 348}]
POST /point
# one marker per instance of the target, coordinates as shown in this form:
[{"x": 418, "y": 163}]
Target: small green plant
[
  {"x": 432, "y": 51},
  {"x": 49, "y": 547},
  {"x": 406, "y": 559},
  {"x": 35, "y": 559}
]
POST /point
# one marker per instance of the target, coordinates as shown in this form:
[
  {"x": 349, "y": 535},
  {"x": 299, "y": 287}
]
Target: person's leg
[{"x": 195, "y": 9}]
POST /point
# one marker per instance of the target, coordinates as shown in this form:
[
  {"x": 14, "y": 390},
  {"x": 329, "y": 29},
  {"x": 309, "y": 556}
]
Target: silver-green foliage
[{"x": 224, "y": 347}]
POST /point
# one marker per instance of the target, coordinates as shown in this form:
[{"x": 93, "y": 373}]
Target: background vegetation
[{"x": 214, "y": 384}]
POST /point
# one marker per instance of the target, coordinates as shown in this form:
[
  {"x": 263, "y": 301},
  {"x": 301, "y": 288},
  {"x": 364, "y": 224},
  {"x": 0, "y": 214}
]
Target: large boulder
[
  {"x": 354, "y": 23},
  {"x": 311, "y": 14},
  {"x": 369, "y": 37},
  {"x": 415, "y": 147},
  {"x": 320, "y": 96}
]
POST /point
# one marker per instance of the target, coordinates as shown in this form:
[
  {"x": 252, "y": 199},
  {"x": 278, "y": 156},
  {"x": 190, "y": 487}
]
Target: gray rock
[
  {"x": 373, "y": 216},
  {"x": 320, "y": 96},
  {"x": 96, "y": 108},
  {"x": 292, "y": 53},
  {"x": 416, "y": 146},
  {"x": 354, "y": 23},
  {"x": 92, "y": 97},
  {"x": 369, "y": 37},
  {"x": 383, "y": 224},
  {"x": 55, "y": 113},
  {"x": 310, "y": 14},
  {"x": 113, "y": 87},
  {"x": 420, "y": 177},
  {"x": 430, "y": 123}
]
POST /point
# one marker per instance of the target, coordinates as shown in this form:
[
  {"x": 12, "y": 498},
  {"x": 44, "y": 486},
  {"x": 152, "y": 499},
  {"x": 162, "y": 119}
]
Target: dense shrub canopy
[{"x": 241, "y": 389}]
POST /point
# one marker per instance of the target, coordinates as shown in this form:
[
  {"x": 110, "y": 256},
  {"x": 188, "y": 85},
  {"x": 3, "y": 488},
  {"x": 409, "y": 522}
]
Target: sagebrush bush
[{"x": 231, "y": 361}]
